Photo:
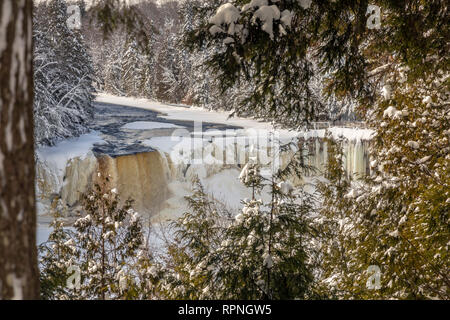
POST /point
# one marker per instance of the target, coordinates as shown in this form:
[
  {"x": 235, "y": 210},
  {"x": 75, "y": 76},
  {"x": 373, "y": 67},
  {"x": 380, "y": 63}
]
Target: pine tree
[
  {"x": 261, "y": 253},
  {"x": 283, "y": 50},
  {"x": 397, "y": 219},
  {"x": 132, "y": 72},
  {"x": 169, "y": 83},
  {"x": 63, "y": 76},
  {"x": 336, "y": 223},
  {"x": 106, "y": 245}
]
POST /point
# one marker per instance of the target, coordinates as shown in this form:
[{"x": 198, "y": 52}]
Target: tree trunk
[{"x": 19, "y": 276}]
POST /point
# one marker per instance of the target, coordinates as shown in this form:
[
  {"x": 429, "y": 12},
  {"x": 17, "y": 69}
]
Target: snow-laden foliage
[
  {"x": 157, "y": 69},
  {"x": 265, "y": 251},
  {"x": 275, "y": 46},
  {"x": 102, "y": 256},
  {"x": 397, "y": 218},
  {"x": 63, "y": 76}
]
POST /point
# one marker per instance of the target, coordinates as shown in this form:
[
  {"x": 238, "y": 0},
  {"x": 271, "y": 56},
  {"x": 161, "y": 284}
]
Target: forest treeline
[
  {"x": 63, "y": 75},
  {"x": 72, "y": 64}
]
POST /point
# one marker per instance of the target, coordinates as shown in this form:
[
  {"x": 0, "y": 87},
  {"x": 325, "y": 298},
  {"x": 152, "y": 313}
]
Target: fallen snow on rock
[{"x": 59, "y": 155}]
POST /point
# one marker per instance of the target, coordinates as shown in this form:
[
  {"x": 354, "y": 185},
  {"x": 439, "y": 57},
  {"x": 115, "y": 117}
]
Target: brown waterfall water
[
  {"x": 142, "y": 177},
  {"x": 78, "y": 179}
]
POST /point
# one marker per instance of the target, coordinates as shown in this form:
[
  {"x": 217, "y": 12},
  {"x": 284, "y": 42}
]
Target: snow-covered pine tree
[
  {"x": 132, "y": 70},
  {"x": 399, "y": 74},
  {"x": 335, "y": 223},
  {"x": 280, "y": 73},
  {"x": 106, "y": 246},
  {"x": 110, "y": 65},
  {"x": 149, "y": 65},
  {"x": 262, "y": 252},
  {"x": 267, "y": 250},
  {"x": 398, "y": 219},
  {"x": 45, "y": 74},
  {"x": 403, "y": 209},
  {"x": 197, "y": 233},
  {"x": 63, "y": 76},
  {"x": 169, "y": 83}
]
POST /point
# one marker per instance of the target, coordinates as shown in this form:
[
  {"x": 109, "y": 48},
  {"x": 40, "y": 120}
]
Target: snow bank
[{"x": 59, "y": 155}]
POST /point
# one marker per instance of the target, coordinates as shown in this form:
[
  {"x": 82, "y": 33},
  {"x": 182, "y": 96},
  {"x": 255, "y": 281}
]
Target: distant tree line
[{"x": 165, "y": 69}]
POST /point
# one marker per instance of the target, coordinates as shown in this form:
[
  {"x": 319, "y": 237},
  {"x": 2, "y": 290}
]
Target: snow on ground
[
  {"x": 149, "y": 125},
  {"x": 59, "y": 155}
]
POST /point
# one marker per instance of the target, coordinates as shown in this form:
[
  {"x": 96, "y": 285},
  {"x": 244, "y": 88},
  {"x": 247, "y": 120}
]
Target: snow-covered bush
[{"x": 102, "y": 256}]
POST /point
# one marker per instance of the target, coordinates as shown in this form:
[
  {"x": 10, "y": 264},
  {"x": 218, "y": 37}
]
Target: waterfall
[
  {"x": 143, "y": 177},
  {"x": 157, "y": 181},
  {"x": 356, "y": 156}
]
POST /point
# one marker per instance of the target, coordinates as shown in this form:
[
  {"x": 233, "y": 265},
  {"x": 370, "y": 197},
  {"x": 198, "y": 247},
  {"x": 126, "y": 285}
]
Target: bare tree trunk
[{"x": 19, "y": 276}]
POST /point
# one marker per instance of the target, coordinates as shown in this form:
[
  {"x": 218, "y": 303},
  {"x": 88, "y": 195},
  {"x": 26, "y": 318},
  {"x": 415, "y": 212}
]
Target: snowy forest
[
  {"x": 162, "y": 68},
  {"x": 224, "y": 150}
]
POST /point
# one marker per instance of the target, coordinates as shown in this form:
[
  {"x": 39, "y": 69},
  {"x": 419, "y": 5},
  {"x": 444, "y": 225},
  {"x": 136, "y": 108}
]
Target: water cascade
[
  {"x": 356, "y": 156},
  {"x": 143, "y": 177},
  {"x": 158, "y": 180}
]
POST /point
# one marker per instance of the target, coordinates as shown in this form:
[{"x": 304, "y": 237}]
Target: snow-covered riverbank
[{"x": 186, "y": 113}]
